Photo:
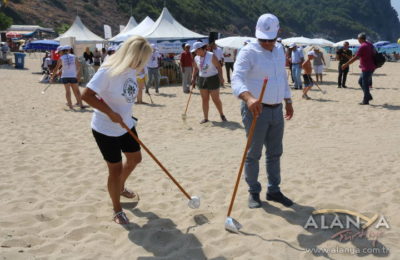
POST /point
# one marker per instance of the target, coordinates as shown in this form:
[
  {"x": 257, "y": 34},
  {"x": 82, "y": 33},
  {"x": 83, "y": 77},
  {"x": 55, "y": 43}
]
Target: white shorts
[{"x": 318, "y": 69}]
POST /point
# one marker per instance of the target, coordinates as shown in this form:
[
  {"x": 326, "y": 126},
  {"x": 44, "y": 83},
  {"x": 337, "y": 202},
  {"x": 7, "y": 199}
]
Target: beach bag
[{"x": 379, "y": 59}]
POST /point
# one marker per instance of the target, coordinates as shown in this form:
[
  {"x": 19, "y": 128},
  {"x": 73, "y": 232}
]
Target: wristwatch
[{"x": 288, "y": 101}]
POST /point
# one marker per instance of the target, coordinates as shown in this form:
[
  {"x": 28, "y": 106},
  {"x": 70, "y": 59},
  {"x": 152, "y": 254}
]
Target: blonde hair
[{"x": 134, "y": 53}]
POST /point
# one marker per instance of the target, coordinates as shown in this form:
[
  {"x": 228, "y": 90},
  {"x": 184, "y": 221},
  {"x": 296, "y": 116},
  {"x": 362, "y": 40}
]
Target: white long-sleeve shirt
[{"x": 253, "y": 64}]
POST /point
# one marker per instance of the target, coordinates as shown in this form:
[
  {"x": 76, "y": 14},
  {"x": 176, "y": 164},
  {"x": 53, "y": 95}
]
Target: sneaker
[
  {"x": 223, "y": 118},
  {"x": 254, "y": 200},
  {"x": 363, "y": 103},
  {"x": 280, "y": 198},
  {"x": 344, "y": 86},
  {"x": 203, "y": 121},
  {"x": 339, "y": 86}
]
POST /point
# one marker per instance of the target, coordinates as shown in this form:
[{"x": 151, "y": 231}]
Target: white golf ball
[{"x": 194, "y": 202}]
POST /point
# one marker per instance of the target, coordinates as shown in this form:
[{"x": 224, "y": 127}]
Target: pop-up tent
[
  {"x": 166, "y": 28},
  {"x": 130, "y": 26},
  {"x": 352, "y": 43},
  {"x": 141, "y": 29},
  {"x": 81, "y": 33},
  {"x": 46, "y": 45},
  {"x": 234, "y": 42}
]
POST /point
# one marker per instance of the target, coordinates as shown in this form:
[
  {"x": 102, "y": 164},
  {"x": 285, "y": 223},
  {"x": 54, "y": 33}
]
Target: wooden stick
[
  {"x": 187, "y": 104},
  {"x": 249, "y": 138},
  {"x": 157, "y": 161}
]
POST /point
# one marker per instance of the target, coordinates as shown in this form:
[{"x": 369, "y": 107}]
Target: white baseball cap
[
  {"x": 292, "y": 45},
  {"x": 267, "y": 27},
  {"x": 197, "y": 45},
  {"x": 312, "y": 53}
]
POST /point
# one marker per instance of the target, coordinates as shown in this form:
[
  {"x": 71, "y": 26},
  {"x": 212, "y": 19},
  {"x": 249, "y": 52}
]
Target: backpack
[{"x": 379, "y": 59}]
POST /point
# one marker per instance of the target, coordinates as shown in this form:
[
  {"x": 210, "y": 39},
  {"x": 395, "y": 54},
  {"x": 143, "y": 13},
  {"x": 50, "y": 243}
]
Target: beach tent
[
  {"x": 297, "y": 40},
  {"x": 390, "y": 48},
  {"x": 234, "y": 42},
  {"x": 167, "y": 28},
  {"x": 46, "y": 45},
  {"x": 141, "y": 29},
  {"x": 130, "y": 25},
  {"x": 352, "y": 42},
  {"x": 322, "y": 42},
  {"x": 381, "y": 43},
  {"x": 81, "y": 33}
]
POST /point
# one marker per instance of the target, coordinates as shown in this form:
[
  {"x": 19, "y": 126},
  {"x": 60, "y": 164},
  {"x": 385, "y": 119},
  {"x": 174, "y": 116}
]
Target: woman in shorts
[
  {"x": 112, "y": 92},
  {"x": 210, "y": 78},
  {"x": 70, "y": 73}
]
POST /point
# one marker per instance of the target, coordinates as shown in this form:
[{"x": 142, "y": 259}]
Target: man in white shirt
[
  {"x": 218, "y": 52},
  {"x": 297, "y": 60},
  {"x": 229, "y": 60},
  {"x": 154, "y": 71},
  {"x": 256, "y": 61}
]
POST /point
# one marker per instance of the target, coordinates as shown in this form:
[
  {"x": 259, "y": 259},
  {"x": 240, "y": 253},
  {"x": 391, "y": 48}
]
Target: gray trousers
[
  {"x": 186, "y": 78},
  {"x": 269, "y": 133},
  {"x": 154, "y": 78}
]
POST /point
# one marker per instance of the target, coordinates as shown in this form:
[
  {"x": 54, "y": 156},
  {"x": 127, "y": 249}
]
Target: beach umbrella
[
  {"x": 297, "y": 40},
  {"x": 390, "y": 48},
  {"x": 381, "y": 43},
  {"x": 322, "y": 42},
  {"x": 234, "y": 42},
  {"x": 352, "y": 42}
]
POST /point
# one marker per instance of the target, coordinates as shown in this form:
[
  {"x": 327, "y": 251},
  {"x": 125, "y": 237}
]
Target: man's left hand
[{"x": 289, "y": 111}]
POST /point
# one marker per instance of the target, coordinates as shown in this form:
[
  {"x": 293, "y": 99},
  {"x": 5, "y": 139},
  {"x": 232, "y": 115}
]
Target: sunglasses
[{"x": 270, "y": 41}]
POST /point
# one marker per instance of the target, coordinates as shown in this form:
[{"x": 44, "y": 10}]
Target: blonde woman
[
  {"x": 112, "y": 92},
  {"x": 70, "y": 69}
]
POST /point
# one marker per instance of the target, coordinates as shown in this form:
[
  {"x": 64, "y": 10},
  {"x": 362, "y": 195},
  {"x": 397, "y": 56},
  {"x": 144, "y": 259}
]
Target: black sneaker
[
  {"x": 344, "y": 86},
  {"x": 223, "y": 118},
  {"x": 279, "y": 197},
  {"x": 254, "y": 200}
]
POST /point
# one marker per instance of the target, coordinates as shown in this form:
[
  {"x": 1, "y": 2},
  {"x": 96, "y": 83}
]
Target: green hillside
[{"x": 332, "y": 19}]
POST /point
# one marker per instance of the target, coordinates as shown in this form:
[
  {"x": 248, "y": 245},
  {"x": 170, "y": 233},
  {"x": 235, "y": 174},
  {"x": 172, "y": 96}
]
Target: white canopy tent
[
  {"x": 130, "y": 26},
  {"x": 141, "y": 29},
  {"x": 352, "y": 43},
  {"x": 322, "y": 42},
  {"x": 234, "y": 42},
  {"x": 167, "y": 28},
  {"x": 297, "y": 40},
  {"x": 81, "y": 33}
]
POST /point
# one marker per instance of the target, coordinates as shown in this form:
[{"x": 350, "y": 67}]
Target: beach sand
[{"x": 337, "y": 155}]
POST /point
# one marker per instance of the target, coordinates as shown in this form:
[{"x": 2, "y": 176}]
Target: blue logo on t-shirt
[{"x": 129, "y": 91}]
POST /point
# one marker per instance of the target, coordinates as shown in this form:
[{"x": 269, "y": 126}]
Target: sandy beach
[{"x": 337, "y": 155}]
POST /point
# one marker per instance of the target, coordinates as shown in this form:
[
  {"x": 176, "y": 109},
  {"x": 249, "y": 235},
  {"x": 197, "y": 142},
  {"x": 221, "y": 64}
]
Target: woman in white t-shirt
[
  {"x": 210, "y": 78},
  {"x": 112, "y": 92},
  {"x": 70, "y": 72}
]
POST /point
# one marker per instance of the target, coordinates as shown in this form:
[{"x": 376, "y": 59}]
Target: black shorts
[
  {"x": 111, "y": 146},
  {"x": 69, "y": 80},
  {"x": 209, "y": 83},
  {"x": 308, "y": 82}
]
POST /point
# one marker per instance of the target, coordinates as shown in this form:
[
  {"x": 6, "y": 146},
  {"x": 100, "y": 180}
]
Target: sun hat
[
  {"x": 267, "y": 27},
  {"x": 197, "y": 45}
]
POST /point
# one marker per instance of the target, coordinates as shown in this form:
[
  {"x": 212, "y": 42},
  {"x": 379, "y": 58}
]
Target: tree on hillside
[{"x": 5, "y": 21}]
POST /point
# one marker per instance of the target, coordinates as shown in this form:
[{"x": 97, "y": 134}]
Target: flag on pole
[{"x": 107, "y": 31}]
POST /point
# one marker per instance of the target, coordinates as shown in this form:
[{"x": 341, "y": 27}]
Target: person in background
[
  {"x": 319, "y": 63},
  {"x": 256, "y": 61},
  {"x": 210, "y": 79},
  {"x": 141, "y": 77},
  {"x": 229, "y": 60},
  {"x": 70, "y": 75},
  {"x": 54, "y": 56},
  {"x": 343, "y": 55},
  {"x": 46, "y": 63},
  {"x": 154, "y": 69},
  {"x": 186, "y": 63},
  {"x": 4, "y": 50},
  {"x": 366, "y": 55},
  {"x": 112, "y": 92},
  {"x": 218, "y": 52},
  {"x": 96, "y": 59},
  {"x": 103, "y": 54},
  {"x": 88, "y": 56},
  {"x": 308, "y": 82},
  {"x": 296, "y": 59}
]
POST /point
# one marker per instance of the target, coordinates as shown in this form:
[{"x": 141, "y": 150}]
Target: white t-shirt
[
  {"x": 68, "y": 66},
  {"x": 46, "y": 63},
  {"x": 205, "y": 65},
  {"x": 219, "y": 53},
  {"x": 229, "y": 55},
  {"x": 153, "y": 62},
  {"x": 119, "y": 93}
]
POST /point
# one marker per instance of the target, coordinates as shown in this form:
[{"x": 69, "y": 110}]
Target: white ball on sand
[{"x": 194, "y": 202}]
